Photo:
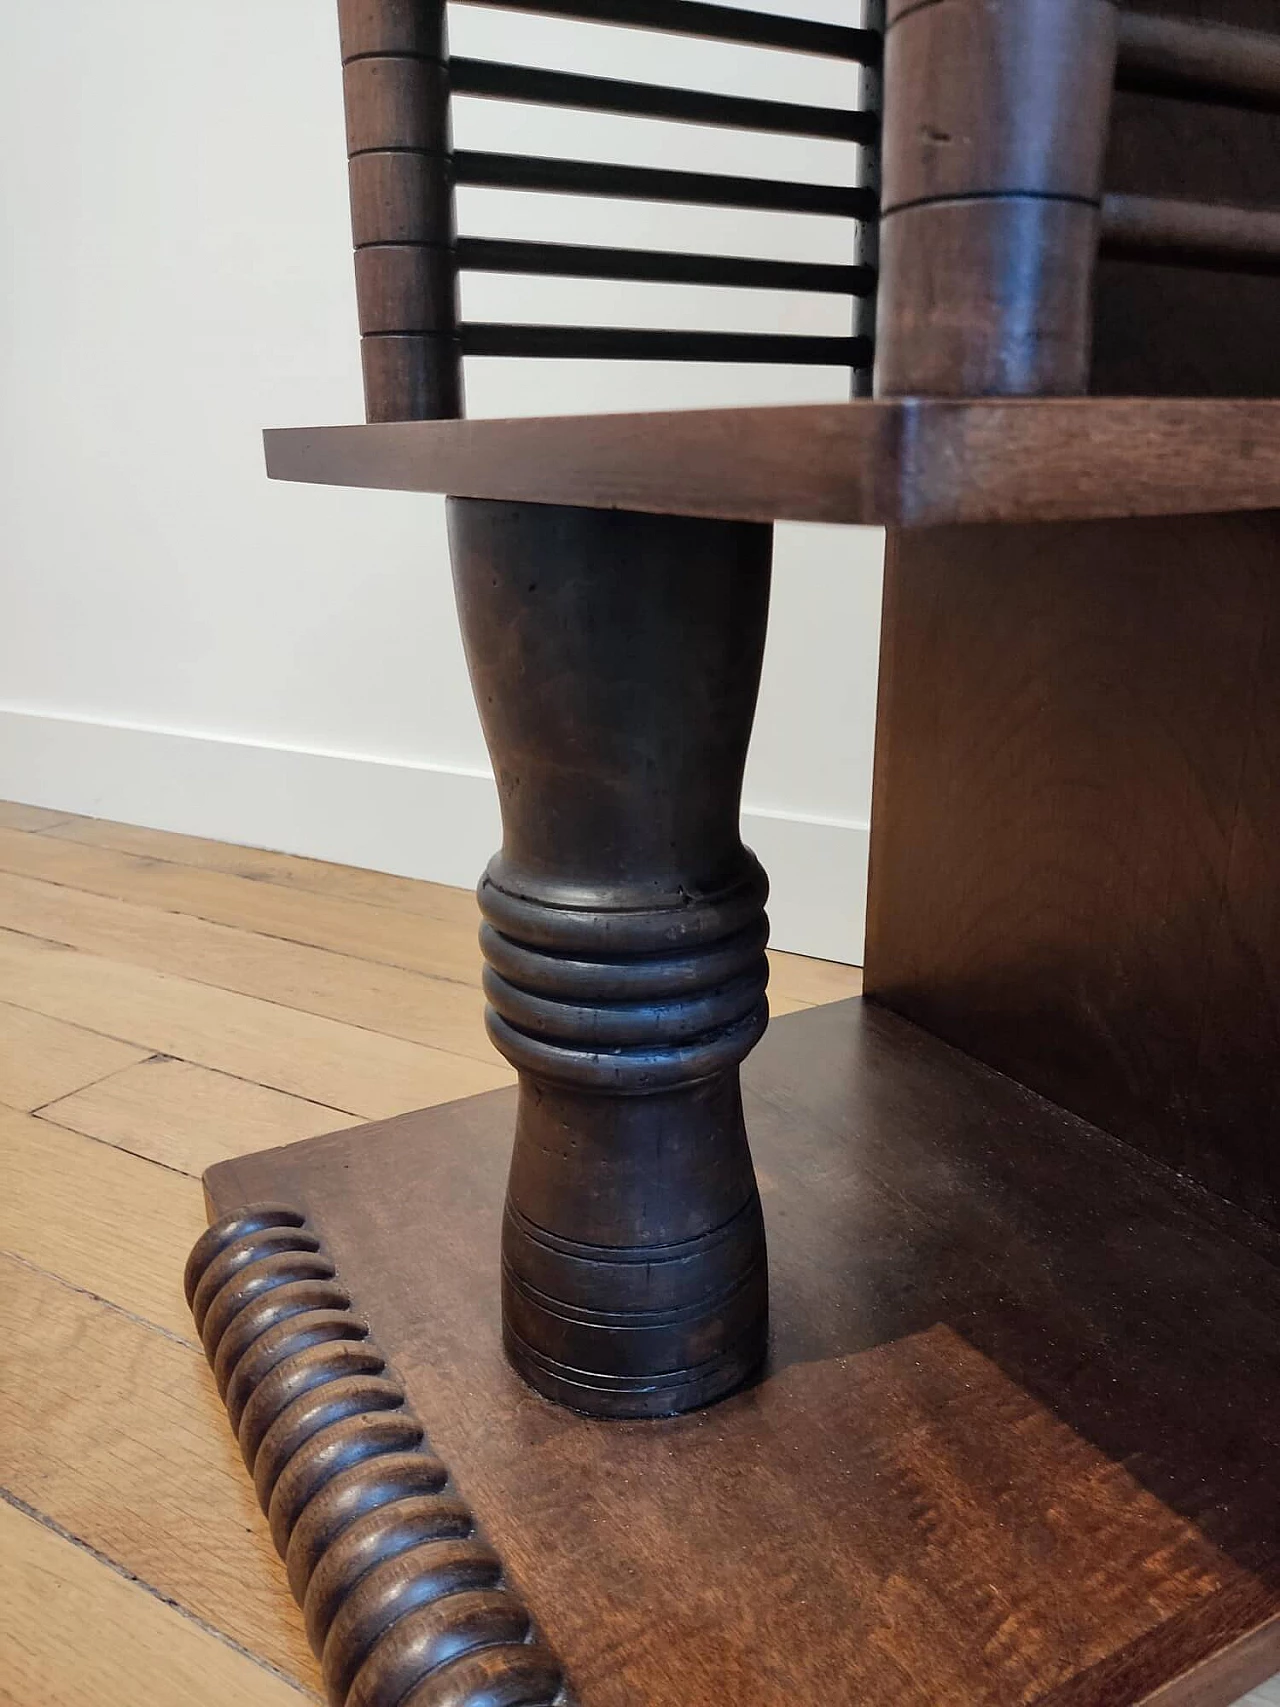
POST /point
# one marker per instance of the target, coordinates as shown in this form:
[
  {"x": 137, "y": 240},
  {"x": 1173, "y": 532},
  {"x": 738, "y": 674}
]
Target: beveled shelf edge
[
  {"x": 402, "y": 1595},
  {"x": 909, "y": 462}
]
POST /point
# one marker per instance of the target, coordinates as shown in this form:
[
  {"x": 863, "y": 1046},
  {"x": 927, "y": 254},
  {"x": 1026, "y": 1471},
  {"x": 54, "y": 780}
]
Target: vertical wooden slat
[{"x": 396, "y": 94}]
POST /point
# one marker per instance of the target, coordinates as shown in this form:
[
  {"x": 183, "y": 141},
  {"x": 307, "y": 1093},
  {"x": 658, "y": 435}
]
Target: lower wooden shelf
[{"x": 1018, "y": 1440}]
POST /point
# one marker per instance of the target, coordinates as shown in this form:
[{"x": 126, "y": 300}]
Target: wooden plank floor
[{"x": 165, "y": 1003}]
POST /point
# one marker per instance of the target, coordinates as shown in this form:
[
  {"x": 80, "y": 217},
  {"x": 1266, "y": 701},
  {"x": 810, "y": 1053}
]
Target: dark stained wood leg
[{"x": 615, "y": 660}]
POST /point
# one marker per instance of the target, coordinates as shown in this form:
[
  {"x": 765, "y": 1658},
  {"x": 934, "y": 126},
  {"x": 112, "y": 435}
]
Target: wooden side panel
[
  {"x": 1076, "y": 829},
  {"x": 1169, "y": 331},
  {"x": 1076, "y": 834}
]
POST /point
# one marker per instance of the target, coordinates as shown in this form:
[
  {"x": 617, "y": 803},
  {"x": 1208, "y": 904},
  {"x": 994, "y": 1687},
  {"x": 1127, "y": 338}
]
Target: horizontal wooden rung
[
  {"x": 625, "y": 343},
  {"x": 648, "y": 100},
  {"x": 713, "y": 23},
  {"x": 1199, "y": 61},
  {"x": 581, "y": 261},
  {"x": 1191, "y": 234},
  {"x": 658, "y": 184}
]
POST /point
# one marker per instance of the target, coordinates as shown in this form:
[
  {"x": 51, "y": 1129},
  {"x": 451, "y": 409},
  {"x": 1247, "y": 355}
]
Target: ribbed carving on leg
[
  {"x": 626, "y": 1000},
  {"x": 627, "y": 1026},
  {"x": 615, "y": 659},
  {"x": 405, "y": 1603}
]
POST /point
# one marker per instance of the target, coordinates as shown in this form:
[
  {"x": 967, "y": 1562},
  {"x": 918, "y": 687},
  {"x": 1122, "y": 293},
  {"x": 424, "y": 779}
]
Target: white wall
[{"x": 185, "y": 644}]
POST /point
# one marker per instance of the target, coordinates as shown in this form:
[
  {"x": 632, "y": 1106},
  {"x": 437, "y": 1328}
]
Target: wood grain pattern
[
  {"x": 1004, "y": 98},
  {"x": 795, "y": 980},
  {"x": 409, "y": 896},
  {"x": 269, "y": 894},
  {"x": 187, "y": 1117},
  {"x": 74, "y": 1633},
  {"x": 115, "y": 1433},
  {"x": 1075, "y": 822},
  {"x": 953, "y": 316},
  {"x": 42, "y": 1058},
  {"x": 302, "y": 900},
  {"x": 63, "y": 1201},
  {"x": 15, "y": 816},
  {"x": 303, "y": 1055},
  {"x": 109, "y": 1426},
  {"x": 1002, "y": 1451},
  {"x": 913, "y": 463},
  {"x": 113, "y": 1430},
  {"x": 434, "y": 1011}
]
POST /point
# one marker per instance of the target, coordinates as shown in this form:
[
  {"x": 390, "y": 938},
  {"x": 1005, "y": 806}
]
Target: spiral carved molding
[{"x": 405, "y": 1604}]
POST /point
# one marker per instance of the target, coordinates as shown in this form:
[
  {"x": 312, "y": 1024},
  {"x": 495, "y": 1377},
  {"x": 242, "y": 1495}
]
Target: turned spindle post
[
  {"x": 395, "y": 80},
  {"x": 615, "y": 660},
  {"x": 991, "y": 183}
]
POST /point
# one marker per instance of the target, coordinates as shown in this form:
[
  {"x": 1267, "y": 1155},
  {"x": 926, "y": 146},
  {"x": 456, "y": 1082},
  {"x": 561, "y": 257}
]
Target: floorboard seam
[
  {"x": 42, "y": 1115},
  {"x": 87, "y": 1292},
  {"x": 115, "y": 1073},
  {"x": 288, "y": 885},
  {"x": 177, "y": 912},
  {"x": 247, "y": 995},
  {"x": 68, "y": 1535}
]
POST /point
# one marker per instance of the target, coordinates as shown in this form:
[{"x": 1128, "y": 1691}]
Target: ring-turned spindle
[{"x": 615, "y": 660}]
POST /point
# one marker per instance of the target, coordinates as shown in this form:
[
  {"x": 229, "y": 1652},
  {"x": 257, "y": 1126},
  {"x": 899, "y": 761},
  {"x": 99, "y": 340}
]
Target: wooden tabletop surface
[{"x": 910, "y": 462}]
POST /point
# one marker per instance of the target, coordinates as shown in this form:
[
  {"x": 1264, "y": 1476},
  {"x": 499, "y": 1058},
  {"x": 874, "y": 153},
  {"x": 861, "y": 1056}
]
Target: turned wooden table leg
[{"x": 615, "y": 660}]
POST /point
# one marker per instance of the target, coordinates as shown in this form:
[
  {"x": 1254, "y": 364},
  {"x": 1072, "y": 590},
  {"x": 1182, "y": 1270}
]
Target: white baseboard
[{"x": 389, "y": 815}]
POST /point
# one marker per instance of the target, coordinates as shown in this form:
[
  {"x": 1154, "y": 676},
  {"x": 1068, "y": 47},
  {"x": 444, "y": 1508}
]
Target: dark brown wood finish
[
  {"x": 1163, "y": 331},
  {"x": 615, "y": 660},
  {"x": 396, "y": 93},
  {"x": 912, "y": 462},
  {"x": 1077, "y": 818},
  {"x": 995, "y": 123},
  {"x": 1192, "y": 234},
  {"x": 398, "y": 81},
  {"x": 1000, "y": 1452},
  {"x": 403, "y": 1600},
  {"x": 1195, "y": 59},
  {"x": 1075, "y": 752}
]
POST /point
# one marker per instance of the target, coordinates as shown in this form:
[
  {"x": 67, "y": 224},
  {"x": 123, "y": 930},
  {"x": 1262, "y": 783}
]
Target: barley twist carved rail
[{"x": 405, "y": 1604}]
